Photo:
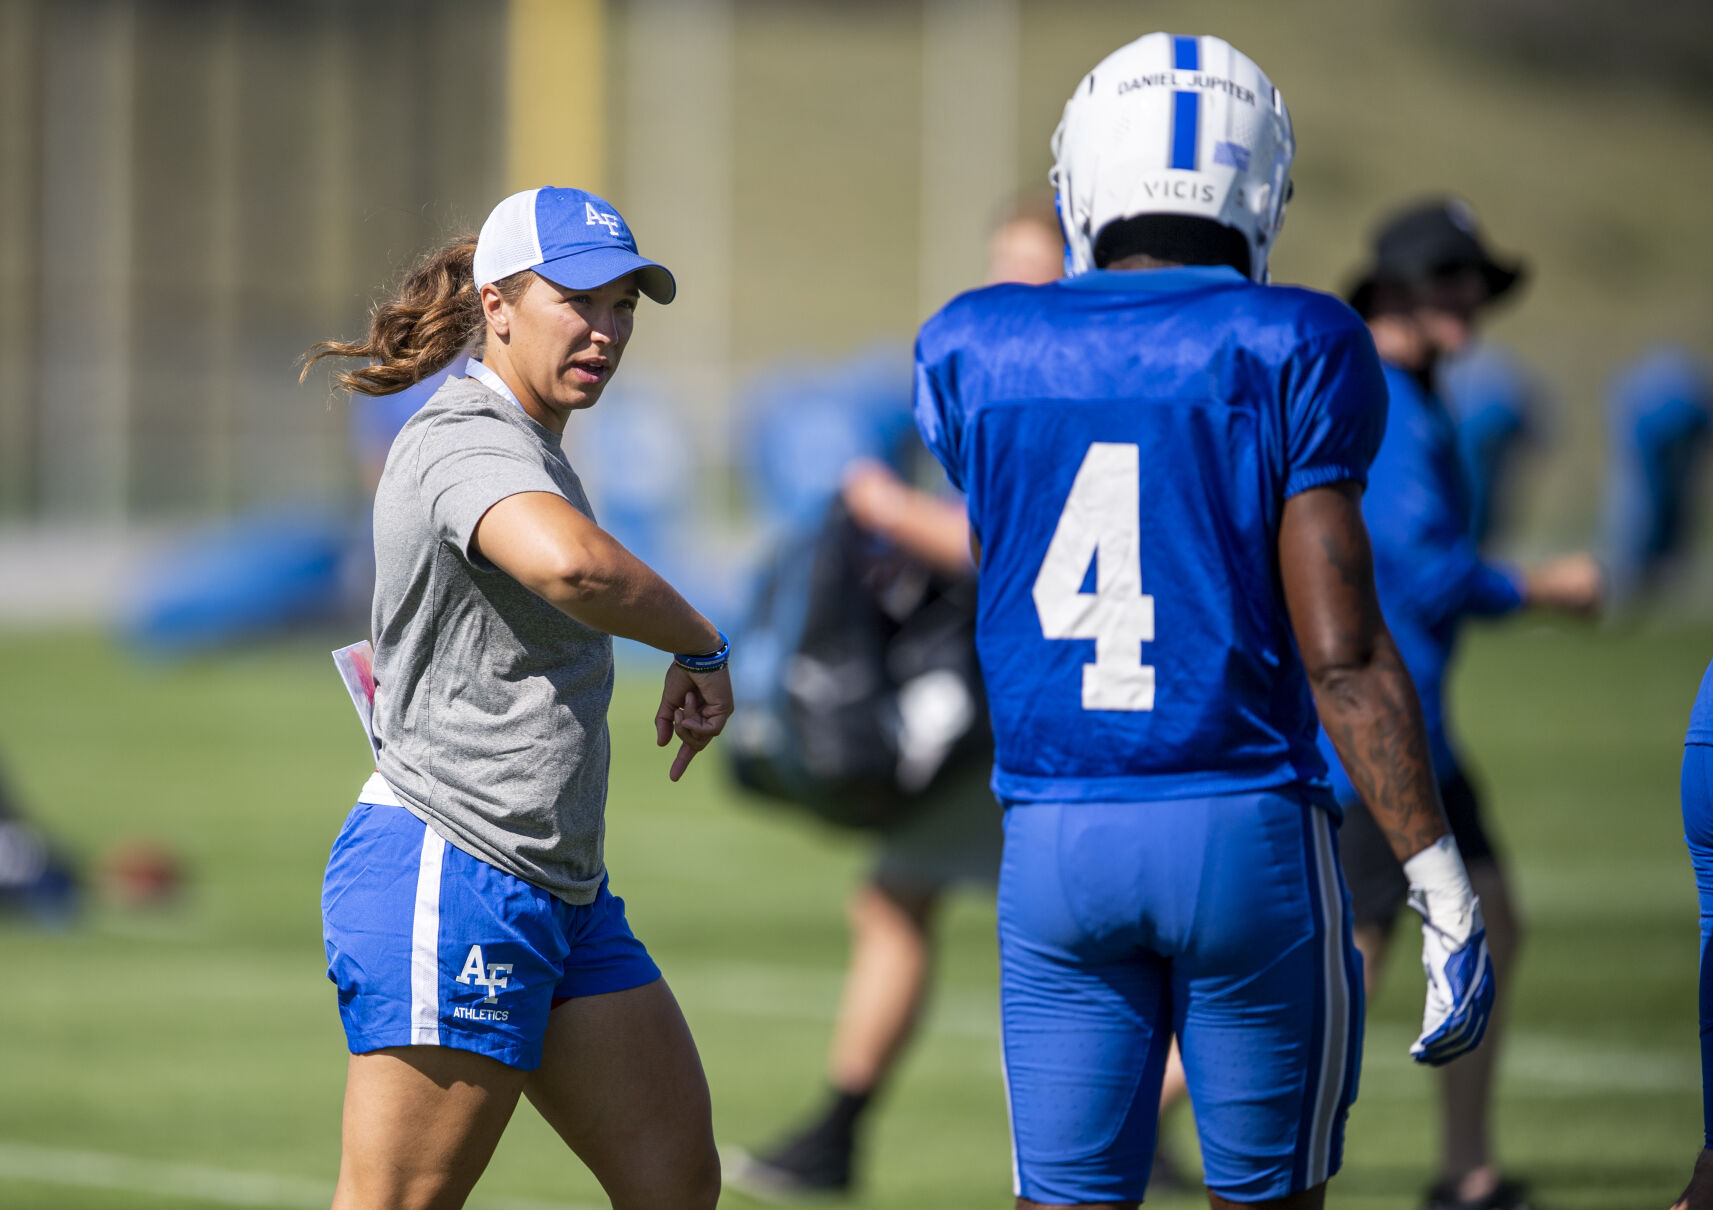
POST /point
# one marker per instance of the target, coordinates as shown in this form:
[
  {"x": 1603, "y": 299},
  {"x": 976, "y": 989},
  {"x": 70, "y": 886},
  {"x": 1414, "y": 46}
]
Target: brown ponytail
[{"x": 431, "y": 317}]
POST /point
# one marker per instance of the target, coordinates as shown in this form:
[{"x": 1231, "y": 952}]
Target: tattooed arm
[
  {"x": 1364, "y": 694},
  {"x": 1368, "y": 705}
]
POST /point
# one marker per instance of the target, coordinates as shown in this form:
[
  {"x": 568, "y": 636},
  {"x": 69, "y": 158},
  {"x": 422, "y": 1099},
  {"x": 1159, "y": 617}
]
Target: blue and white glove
[{"x": 1454, "y": 954}]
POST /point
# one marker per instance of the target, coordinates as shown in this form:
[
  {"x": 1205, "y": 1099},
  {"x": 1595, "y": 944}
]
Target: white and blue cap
[{"x": 571, "y": 237}]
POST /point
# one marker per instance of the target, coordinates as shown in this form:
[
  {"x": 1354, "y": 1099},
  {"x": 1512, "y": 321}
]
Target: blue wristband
[{"x": 712, "y": 662}]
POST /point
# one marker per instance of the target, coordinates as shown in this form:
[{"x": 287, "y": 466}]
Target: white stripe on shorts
[
  {"x": 425, "y": 944},
  {"x": 1336, "y": 1035}
]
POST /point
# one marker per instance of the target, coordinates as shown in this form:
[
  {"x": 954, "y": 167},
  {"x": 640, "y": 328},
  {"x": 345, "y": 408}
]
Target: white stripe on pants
[{"x": 1339, "y": 1027}]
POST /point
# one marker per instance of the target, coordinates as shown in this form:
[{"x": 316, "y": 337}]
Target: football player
[{"x": 1164, "y": 460}]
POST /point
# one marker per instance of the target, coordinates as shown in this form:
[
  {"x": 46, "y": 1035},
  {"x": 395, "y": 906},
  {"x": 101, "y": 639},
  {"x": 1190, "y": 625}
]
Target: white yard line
[
  {"x": 1547, "y": 1062},
  {"x": 216, "y": 1186},
  {"x": 1532, "y": 1061}
]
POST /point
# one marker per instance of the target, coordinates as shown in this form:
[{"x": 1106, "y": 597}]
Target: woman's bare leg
[
  {"x": 420, "y": 1124},
  {"x": 621, "y": 1082}
]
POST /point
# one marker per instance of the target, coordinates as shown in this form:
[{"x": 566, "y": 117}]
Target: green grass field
[{"x": 194, "y": 1057}]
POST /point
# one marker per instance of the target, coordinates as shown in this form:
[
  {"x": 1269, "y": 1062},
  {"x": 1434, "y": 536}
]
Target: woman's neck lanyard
[{"x": 492, "y": 381}]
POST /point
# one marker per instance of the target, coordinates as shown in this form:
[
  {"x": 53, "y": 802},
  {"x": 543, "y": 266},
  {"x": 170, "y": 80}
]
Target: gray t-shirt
[{"x": 490, "y": 704}]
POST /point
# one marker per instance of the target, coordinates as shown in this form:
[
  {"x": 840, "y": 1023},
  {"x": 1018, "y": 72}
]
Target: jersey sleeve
[
  {"x": 1335, "y": 411},
  {"x": 1422, "y": 539},
  {"x": 1494, "y": 588},
  {"x": 466, "y": 464},
  {"x": 939, "y": 413}
]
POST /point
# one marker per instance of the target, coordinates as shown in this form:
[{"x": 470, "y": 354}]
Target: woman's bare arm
[{"x": 556, "y": 552}]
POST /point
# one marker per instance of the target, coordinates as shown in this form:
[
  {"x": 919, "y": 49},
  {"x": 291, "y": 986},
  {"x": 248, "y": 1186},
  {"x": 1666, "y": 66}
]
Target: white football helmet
[{"x": 1174, "y": 125}]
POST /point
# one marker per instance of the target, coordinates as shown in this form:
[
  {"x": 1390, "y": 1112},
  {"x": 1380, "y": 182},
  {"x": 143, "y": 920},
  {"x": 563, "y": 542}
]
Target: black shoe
[
  {"x": 805, "y": 1166},
  {"x": 815, "y": 1161},
  {"x": 1506, "y": 1195}
]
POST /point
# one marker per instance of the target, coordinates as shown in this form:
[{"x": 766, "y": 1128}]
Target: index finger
[{"x": 681, "y": 762}]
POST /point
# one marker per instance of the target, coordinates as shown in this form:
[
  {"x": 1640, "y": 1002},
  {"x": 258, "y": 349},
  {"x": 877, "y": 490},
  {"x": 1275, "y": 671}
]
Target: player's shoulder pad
[
  {"x": 970, "y": 316},
  {"x": 1312, "y": 314}
]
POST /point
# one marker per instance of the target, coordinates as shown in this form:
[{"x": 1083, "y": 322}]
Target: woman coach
[{"x": 476, "y": 948}]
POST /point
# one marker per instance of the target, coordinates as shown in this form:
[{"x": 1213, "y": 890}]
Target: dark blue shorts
[
  {"x": 430, "y": 946},
  {"x": 1222, "y": 919}
]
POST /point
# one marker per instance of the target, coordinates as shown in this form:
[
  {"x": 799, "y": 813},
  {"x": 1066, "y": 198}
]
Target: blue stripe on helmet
[
  {"x": 1186, "y": 121},
  {"x": 1186, "y": 106}
]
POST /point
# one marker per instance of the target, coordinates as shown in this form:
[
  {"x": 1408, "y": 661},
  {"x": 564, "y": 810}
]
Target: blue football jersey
[{"x": 1126, "y": 442}]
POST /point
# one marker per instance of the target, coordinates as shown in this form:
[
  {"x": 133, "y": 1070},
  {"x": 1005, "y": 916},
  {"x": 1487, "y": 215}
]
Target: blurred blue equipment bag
[{"x": 860, "y": 687}]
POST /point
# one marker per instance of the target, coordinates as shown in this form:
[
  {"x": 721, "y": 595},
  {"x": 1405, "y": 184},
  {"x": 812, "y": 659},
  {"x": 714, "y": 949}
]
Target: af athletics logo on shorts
[{"x": 478, "y": 972}]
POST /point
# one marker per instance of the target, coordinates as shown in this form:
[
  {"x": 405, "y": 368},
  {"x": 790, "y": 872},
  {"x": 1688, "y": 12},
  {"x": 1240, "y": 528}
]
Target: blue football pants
[
  {"x": 1224, "y": 920},
  {"x": 1698, "y": 832}
]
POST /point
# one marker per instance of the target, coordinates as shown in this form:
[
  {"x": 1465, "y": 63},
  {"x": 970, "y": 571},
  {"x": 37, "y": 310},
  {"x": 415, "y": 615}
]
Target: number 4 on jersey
[{"x": 1101, "y": 521}]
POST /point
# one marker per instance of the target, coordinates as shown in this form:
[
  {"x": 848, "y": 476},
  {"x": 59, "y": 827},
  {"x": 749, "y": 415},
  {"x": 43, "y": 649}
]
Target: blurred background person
[
  {"x": 1657, "y": 422},
  {"x": 1502, "y": 413},
  {"x": 1026, "y": 244},
  {"x": 954, "y": 838},
  {"x": 1429, "y": 282}
]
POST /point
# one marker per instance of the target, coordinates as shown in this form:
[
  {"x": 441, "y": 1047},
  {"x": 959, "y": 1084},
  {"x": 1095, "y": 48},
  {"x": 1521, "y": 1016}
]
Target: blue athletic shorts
[
  {"x": 1222, "y": 919},
  {"x": 430, "y": 946}
]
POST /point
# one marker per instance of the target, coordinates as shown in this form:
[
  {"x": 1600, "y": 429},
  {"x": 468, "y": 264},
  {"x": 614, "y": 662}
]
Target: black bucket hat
[{"x": 1427, "y": 240}]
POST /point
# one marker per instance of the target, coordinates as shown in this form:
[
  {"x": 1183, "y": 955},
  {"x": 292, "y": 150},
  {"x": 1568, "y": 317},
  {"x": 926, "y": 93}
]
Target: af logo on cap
[{"x": 611, "y": 222}]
